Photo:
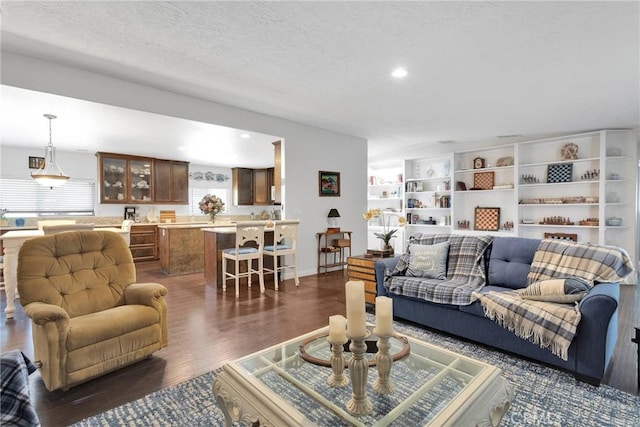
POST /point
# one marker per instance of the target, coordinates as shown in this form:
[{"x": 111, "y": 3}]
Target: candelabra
[
  {"x": 337, "y": 377},
  {"x": 384, "y": 361},
  {"x": 359, "y": 404}
]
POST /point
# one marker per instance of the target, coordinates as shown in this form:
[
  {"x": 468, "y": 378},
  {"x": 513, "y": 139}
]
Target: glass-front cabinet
[{"x": 125, "y": 179}]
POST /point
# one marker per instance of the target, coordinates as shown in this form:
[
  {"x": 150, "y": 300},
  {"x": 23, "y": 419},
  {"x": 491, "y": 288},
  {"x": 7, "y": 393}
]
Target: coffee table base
[{"x": 273, "y": 387}]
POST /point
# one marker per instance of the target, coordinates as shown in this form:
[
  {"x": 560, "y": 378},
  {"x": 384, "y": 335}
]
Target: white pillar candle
[
  {"x": 337, "y": 329},
  {"x": 356, "y": 321},
  {"x": 384, "y": 316}
]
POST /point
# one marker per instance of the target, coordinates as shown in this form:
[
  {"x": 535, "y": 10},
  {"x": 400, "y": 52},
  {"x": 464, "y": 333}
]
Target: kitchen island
[
  {"x": 181, "y": 247},
  {"x": 218, "y": 238}
]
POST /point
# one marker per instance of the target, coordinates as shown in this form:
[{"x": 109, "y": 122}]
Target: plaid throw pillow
[
  {"x": 400, "y": 268},
  {"x": 565, "y": 291}
]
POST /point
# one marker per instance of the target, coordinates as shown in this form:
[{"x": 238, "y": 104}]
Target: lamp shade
[
  {"x": 50, "y": 175},
  {"x": 333, "y": 213}
]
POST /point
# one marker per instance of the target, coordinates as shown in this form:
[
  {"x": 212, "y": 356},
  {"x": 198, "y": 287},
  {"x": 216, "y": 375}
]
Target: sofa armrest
[
  {"x": 152, "y": 295},
  {"x": 381, "y": 267},
  {"x": 144, "y": 294},
  {"x": 598, "y": 329},
  {"x": 42, "y": 313},
  {"x": 49, "y": 316}
]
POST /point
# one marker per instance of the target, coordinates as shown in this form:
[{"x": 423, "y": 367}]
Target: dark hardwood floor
[{"x": 208, "y": 328}]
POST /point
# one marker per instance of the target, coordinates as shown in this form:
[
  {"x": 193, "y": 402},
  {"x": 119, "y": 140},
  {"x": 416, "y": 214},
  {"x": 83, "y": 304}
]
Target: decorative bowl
[{"x": 615, "y": 221}]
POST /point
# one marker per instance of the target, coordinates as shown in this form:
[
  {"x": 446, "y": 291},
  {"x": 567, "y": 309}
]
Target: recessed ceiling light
[
  {"x": 245, "y": 135},
  {"x": 182, "y": 149},
  {"x": 399, "y": 73}
]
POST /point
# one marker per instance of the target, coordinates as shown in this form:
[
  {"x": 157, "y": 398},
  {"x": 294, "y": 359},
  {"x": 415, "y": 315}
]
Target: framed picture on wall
[{"x": 328, "y": 183}]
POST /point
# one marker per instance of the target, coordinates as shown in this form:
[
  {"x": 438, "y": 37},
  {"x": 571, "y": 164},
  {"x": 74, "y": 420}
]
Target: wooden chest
[{"x": 361, "y": 268}]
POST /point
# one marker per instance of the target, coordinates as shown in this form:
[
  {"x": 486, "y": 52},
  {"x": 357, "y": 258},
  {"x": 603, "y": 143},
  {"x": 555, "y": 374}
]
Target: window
[
  {"x": 25, "y": 197},
  {"x": 198, "y": 193}
]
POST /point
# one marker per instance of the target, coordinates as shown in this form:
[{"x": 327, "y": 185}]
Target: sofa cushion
[
  {"x": 510, "y": 261},
  {"x": 564, "y": 291},
  {"x": 103, "y": 325},
  {"x": 428, "y": 260}
]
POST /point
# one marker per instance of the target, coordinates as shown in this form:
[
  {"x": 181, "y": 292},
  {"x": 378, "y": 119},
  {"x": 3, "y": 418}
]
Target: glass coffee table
[{"x": 433, "y": 386}]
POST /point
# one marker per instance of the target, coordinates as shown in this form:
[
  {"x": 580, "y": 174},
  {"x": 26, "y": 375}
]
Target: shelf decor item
[
  {"x": 478, "y": 163},
  {"x": 569, "y": 151},
  {"x": 385, "y": 221},
  {"x": 211, "y": 205},
  {"x": 504, "y": 161},
  {"x": 560, "y": 172},
  {"x": 614, "y": 221},
  {"x": 483, "y": 180},
  {"x": 487, "y": 219}
]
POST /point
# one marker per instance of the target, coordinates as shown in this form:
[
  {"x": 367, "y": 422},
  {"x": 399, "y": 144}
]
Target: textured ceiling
[{"x": 476, "y": 69}]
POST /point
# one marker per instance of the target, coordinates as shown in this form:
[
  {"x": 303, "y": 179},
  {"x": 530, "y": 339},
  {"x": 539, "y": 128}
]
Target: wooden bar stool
[
  {"x": 249, "y": 247},
  {"x": 285, "y": 238}
]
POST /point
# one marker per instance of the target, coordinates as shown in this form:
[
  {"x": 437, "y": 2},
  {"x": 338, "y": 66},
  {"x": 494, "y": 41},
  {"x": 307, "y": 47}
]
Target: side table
[
  {"x": 334, "y": 244},
  {"x": 361, "y": 267}
]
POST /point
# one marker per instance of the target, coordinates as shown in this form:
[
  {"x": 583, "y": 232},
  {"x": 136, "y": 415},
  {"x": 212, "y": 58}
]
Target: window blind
[{"x": 22, "y": 196}]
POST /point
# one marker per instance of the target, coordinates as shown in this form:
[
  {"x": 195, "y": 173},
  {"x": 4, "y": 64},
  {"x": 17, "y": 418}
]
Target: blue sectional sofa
[{"x": 506, "y": 263}]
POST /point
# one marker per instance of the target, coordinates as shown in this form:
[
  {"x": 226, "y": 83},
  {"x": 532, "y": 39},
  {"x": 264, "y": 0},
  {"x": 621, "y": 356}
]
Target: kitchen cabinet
[
  {"x": 262, "y": 182},
  {"x": 171, "y": 182},
  {"x": 142, "y": 180},
  {"x": 277, "y": 173},
  {"x": 242, "y": 186},
  {"x": 252, "y": 186},
  {"x": 144, "y": 242},
  {"x": 125, "y": 179}
]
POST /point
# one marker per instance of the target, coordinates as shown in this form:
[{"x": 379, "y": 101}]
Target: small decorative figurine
[{"x": 569, "y": 151}]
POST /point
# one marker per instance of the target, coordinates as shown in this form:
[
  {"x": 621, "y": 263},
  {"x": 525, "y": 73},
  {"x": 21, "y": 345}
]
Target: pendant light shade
[{"x": 50, "y": 175}]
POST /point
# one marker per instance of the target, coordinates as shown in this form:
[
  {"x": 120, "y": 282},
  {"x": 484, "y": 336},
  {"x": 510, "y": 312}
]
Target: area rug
[{"x": 543, "y": 396}]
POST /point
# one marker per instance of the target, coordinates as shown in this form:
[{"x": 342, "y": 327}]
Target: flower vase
[
  {"x": 387, "y": 247},
  {"x": 212, "y": 217}
]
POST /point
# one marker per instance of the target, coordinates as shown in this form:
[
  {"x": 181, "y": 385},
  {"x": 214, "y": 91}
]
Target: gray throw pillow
[
  {"x": 565, "y": 291},
  {"x": 428, "y": 261}
]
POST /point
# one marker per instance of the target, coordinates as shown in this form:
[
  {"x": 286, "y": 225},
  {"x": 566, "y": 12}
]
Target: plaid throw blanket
[
  {"x": 551, "y": 325},
  {"x": 597, "y": 264},
  {"x": 465, "y": 272},
  {"x": 16, "y": 410}
]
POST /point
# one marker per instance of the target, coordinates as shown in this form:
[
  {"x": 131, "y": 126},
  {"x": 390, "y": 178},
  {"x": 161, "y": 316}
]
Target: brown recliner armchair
[{"x": 88, "y": 315}]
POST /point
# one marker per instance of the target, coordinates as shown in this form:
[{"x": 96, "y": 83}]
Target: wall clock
[{"x": 478, "y": 163}]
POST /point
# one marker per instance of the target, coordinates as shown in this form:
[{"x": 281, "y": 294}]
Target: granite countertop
[
  {"x": 227, "y": 229},
  {"x": 196, "y": 225},
  {"x": 220, "y": 230}
]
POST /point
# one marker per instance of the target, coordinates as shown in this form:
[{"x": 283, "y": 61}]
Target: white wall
[{"x": 306, "y": 149}]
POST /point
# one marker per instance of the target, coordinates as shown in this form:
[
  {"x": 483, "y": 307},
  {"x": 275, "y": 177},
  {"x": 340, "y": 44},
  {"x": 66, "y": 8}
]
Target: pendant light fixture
[{"x": 50, "y": 175}]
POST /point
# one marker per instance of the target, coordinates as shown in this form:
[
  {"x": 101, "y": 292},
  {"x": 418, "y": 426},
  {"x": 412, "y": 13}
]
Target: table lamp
[{"x": 332, "y": 219}]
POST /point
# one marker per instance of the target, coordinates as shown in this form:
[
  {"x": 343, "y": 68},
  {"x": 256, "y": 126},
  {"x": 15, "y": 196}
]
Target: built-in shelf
[{"x": 444, "y": 175}]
